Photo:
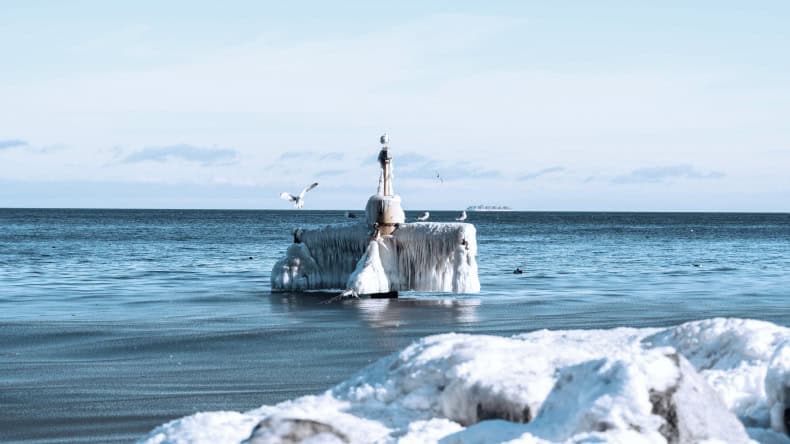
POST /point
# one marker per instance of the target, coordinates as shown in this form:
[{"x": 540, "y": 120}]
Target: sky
[{"x": 570, "y": 106}]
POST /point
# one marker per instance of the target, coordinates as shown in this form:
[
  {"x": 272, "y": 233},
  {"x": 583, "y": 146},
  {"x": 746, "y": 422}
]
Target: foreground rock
[{"x": 700, "y": 381}]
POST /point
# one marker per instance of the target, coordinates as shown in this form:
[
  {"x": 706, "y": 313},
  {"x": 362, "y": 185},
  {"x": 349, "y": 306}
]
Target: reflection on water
[{"x": 385, "y": 312}]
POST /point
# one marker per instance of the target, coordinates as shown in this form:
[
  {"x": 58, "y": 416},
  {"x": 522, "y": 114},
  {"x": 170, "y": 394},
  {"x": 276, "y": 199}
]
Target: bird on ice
[
  {"x": 461, "y": 217},
  {"x": 424, "y": 216},
  {"x": 298, "y": 200}
]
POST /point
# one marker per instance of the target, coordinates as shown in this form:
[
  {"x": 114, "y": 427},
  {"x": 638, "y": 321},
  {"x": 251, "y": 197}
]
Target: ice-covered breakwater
[
  {"x": 383, "y": 254},
  {"x": 716, "y": 380},
  {"x": 419, "y": 256}
]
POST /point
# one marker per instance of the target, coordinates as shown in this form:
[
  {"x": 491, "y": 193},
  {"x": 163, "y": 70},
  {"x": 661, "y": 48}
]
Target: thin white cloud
[
  {"x": 418, "y": 166},
  {"x": 330, "y": 173},
  {"x": 332, "y": 156},
  {"x": 543, "y": 172},
  {"x": 12, "y": 143},
  {"x": 290, "y": 155},
  {"x": 204, "y": 156},
  {"x": 661, "y": 173}
]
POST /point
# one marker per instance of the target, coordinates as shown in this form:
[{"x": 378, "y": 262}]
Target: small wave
[
  {"x": 724, "y": 269},
  {"x": 541, "y": 276}
]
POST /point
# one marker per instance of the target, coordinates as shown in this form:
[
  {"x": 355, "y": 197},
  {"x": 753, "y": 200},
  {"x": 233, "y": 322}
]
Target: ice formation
[
  {"x": 417, "y": 256},
  {"x": 716, "y": 380},
  {"x": 383, "y": 253}
]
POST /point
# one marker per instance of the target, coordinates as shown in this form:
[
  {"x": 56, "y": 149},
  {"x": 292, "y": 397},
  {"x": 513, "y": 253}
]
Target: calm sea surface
[{"x": 115, "y": 321}]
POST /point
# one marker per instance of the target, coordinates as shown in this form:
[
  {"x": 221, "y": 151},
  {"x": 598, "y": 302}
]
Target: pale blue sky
[{"x": 537, "y": 105}]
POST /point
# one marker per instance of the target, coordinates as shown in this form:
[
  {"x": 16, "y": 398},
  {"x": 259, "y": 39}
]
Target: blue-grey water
[{"x": 115, "y": 321}]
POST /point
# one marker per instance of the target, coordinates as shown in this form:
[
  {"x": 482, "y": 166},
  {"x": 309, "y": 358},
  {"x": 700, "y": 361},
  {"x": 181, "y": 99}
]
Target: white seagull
[
  {"x": 461, "y": 217},
  {"x": 299, "y": 199},
  {"x": 424, "y": 216}
]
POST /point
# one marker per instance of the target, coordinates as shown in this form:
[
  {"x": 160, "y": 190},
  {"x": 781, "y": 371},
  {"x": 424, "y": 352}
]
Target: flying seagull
[
  {"x": 424, "y": 216},
  {"x": 439, "y": 177},
  {"x": 461, "y": 217},
  {"x": 299, "y": 199}
]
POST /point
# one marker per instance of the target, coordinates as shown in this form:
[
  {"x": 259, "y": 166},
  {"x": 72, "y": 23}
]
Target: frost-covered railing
[{"x": 417, "y": 256}]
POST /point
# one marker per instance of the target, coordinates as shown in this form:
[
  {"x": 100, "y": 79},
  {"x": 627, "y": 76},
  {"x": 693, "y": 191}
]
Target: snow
[
  {"x": 417, "y": 256},
  {"x": 745, "y": 360},
  {"x": 208, "y": 428},
  {"x": 715, "y": 380}
]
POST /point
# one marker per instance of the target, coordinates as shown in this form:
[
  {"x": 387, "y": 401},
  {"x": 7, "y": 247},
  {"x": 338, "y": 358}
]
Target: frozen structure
[
  {"x": 713, "y": 381},
  {"x": 382, "y": 253}
]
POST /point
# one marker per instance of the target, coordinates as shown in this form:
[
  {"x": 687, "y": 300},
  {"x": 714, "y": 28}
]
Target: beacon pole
[{"x": 385, "y": 160}]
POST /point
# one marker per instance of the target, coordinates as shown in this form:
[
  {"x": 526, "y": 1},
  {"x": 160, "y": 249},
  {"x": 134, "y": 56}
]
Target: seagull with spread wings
[{"x": 298, "y": 200}]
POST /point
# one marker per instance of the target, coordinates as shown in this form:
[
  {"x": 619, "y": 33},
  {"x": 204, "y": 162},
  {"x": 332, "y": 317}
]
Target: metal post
[{"x": 386, "y": 170}]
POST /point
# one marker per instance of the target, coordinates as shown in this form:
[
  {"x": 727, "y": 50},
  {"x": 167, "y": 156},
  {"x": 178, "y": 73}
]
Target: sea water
[{"x": 115, "y": 321}]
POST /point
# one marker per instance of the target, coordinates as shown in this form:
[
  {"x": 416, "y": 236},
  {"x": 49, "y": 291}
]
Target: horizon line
[{"x": 415, "y": 210}]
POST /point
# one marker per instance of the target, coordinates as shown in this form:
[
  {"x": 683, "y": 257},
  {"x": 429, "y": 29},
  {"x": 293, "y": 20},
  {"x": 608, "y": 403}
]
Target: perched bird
[
  {"x": 299, "y": 199},
  {"x": 461, "y": 217},
  {"x": 424, "y": 216},
  {"x": 384, "y": 139}
]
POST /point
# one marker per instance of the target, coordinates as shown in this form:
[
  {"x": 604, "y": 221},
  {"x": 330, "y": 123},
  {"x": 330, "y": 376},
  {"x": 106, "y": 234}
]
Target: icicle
[
  {"x": 417, "y": 256},
  {"x": 369, "y": 276}
]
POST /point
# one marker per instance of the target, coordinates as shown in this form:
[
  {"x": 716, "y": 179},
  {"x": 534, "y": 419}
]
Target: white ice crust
[
  {"x": 714, "y": 381},
  {"x": 417, "y": 256}
]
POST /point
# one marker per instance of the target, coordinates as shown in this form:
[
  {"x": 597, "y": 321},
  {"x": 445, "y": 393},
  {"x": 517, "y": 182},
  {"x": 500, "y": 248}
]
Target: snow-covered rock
[
  {"x": 697, "y": 382},
  {"x": 733, "y": 356},
  {"x": 655, "y": 396}
]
